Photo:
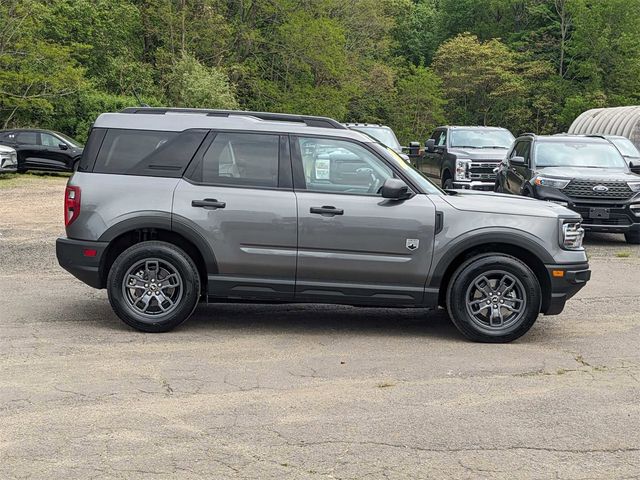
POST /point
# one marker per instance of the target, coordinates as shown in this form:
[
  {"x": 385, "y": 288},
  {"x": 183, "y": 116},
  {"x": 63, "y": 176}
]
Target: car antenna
[{"x": 142, "y": 104}]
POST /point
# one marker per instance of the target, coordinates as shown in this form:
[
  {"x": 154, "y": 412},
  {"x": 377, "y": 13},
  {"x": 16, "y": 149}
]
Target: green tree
[{"x": 191, "y": 84}]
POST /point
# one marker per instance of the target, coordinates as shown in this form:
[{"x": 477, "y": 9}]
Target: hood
[
  {"x": 497, "y": 154},
  {"x": 597, "y": 174},
  {"x": 489, "y": 202}
]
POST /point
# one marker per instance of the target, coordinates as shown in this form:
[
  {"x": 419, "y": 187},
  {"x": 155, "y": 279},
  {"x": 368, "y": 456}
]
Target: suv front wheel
[
  {"x": 153, "y": 286},
  {"x": 493, "y": 298}
]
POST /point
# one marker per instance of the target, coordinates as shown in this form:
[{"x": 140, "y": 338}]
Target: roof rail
[{"x": 309, "y": 120}]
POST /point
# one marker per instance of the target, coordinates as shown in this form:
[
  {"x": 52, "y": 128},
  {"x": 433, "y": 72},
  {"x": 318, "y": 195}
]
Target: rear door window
[
  {"x": 27, "y": 138},
  {"x": 242, "y": 159}
]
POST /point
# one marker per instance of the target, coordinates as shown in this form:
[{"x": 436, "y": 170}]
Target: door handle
[
  {"x": 211, "y": 203},
  {"x": 326, "y": 210}
]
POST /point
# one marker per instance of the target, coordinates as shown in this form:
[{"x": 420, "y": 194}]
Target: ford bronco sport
[{"x": 169, "y": 206}]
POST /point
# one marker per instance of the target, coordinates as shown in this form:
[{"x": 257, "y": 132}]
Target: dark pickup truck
[{"x": 465, "y": 157}]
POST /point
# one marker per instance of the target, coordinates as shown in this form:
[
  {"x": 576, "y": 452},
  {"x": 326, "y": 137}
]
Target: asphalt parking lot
[{"x": 300, "y": 391}]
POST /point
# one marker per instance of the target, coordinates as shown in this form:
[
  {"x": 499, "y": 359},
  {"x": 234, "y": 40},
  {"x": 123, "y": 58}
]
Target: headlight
[
  {"x": 8, "y": 160},
  {"x": 572, "y": 235},
  {"x": 635, "y": 208},
  {"x": 634, "y": 186},
  {"x": 551, "y": 182},
  {"x": 462, "y": 168}
]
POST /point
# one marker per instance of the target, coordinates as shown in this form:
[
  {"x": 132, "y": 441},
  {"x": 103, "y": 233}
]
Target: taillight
[{"x": 71, "y": 205}]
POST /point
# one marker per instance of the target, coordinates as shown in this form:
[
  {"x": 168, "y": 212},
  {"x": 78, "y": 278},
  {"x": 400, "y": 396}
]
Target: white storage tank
[{"x": 623, "y": 121}]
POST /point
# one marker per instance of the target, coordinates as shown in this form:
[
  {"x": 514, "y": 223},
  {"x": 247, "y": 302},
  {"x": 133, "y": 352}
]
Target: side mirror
[
  {"x": 635, "y": 167},
  {"x": 430, "y": 145},
  {"x": 63, "y": 146},
  {"x": 517, "y": 162},
  {"x": 414, "y": 148},
  {"x": 394, "y": 189}
]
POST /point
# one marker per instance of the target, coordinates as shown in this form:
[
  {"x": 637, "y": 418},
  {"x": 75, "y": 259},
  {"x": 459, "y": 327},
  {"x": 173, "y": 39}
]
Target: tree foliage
[{"x": 525, "y": 64}]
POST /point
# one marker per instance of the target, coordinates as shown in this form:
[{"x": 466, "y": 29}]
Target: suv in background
[
  {"x": 627, "y": 149},
  {"x": 465, "y": 157},
  {"x": 386, "y": 136},
  {"x": 173, "y": 205},
  {"x": 43, "y": 149},
  {"x": 585, "y": 173}
]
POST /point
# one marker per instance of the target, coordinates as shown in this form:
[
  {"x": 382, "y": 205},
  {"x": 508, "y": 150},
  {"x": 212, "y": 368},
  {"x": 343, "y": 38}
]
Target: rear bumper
[
  {"x": 81, "y": 259},
  {"x": 574, "y": 278}
]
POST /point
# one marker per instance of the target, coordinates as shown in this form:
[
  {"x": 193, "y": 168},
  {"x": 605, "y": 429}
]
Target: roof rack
[{"x": 309, "y": 120}]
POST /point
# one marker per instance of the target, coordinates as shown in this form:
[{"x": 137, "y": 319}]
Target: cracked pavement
[{"x": 305, "y": 391}]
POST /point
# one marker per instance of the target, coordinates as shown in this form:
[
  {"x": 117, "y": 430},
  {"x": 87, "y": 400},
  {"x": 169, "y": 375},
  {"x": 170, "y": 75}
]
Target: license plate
[{"x": 599, "y": 213}]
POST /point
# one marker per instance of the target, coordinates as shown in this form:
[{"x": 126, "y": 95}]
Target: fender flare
[
  {"x": 165, "y": 221},
  {"x": 475, "y": 238}
]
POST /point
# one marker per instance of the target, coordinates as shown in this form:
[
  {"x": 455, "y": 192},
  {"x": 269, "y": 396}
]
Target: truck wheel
[
  {"x": 498, "y": 187},
  {"x": 153, "y": 286},
  {"x": 632, "y": 237},
  {"x": 447, "y": 183},
  {"x": 493, "y": 298}
]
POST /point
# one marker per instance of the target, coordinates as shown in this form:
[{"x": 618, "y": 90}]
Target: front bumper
[
  {"x": 8, "y": 165},
  {"x": 566, "y": 281},
  {"x": 474, "y": 185},
  {"x": 82, "y": 259},
  {"x": 615, "y": 216}
]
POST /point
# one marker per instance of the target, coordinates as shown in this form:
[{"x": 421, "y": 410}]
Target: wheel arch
[
  {"x": 179, "y": 233},
  {"x": 521, "y": 247}
]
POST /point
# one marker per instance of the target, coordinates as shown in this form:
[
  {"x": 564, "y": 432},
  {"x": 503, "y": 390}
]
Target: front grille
[
  {"x": 483, "y": 170},
  {"x": 606, "y": 221},
  {"x": 584, "y": 189}
]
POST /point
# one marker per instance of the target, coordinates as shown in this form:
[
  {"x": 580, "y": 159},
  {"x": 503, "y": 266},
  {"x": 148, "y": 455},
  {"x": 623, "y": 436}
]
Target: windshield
[
  {"x": 578, "y": 154},
  {"x": 416, "y": 176},
  {"x": 69, "y": 140},
  {"x": 625, "y": 146},
  {"x": 477, "y": 138},
  {"x": 383, "y": 134}
]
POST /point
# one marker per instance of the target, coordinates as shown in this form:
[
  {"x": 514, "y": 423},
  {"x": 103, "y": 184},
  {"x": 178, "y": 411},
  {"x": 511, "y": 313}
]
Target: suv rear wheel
[
  {"x": 153, "y": 286},
  {"x": 493, "y": 298}
]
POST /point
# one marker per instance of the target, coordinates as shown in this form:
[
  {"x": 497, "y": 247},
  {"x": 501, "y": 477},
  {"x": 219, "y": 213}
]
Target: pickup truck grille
[
  {"x": 584, "y": 189},
  {"x": 483, "y": 170}
]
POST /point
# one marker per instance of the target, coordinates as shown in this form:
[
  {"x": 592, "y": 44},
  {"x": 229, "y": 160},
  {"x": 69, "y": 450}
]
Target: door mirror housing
[
  {"x": 414, "y": 148},
  {"x": 63, "y": 146},
  {"x": 395, "y": 189},
  {"x": 517, "y": 162},
  {"x": 430, "y": 145},
  {"x": 635, "y": 167}
]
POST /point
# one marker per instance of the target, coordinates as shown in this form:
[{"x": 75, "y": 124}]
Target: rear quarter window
[{"x": 147, "y": 152}]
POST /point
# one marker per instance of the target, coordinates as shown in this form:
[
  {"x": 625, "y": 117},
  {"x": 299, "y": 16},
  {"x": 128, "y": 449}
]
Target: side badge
[{"x": 412, "y": 243}]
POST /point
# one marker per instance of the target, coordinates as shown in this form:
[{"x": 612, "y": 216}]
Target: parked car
[
  {"x": 585, "y": 173},
  {"x": 173, "y": 205},
  {"x": 8, "y": 159},
  {"x": 386, "y": 136},
  {"x": 465, "y": 157},
  {"x": 43, "y": 149},
  {"x": 628, "y": 150}
]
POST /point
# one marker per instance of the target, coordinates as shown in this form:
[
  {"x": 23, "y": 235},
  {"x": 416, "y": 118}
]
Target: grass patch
[
  {"x": 623, "y": 254},
  {"x": 13, "y": 180}
]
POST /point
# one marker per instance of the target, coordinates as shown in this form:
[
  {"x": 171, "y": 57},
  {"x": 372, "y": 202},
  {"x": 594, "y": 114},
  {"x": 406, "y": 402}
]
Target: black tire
[
  {"x": 447, "y": 183},
  {"x": 75, "y": 165},
  {"x": 632, "y": 237},
  {"x": 463, "y": 284},
  {"x": 166, "y": 258},
  {"x": 498, "y": 187}
]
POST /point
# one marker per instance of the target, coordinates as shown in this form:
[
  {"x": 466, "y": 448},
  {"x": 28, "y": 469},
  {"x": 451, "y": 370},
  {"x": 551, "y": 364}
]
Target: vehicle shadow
[
  {"x": 322, "y": 319},
  {"x": 307, "y": 319}
]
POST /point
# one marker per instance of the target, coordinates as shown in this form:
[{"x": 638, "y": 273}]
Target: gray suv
[{"x": 170, "y": 206}]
